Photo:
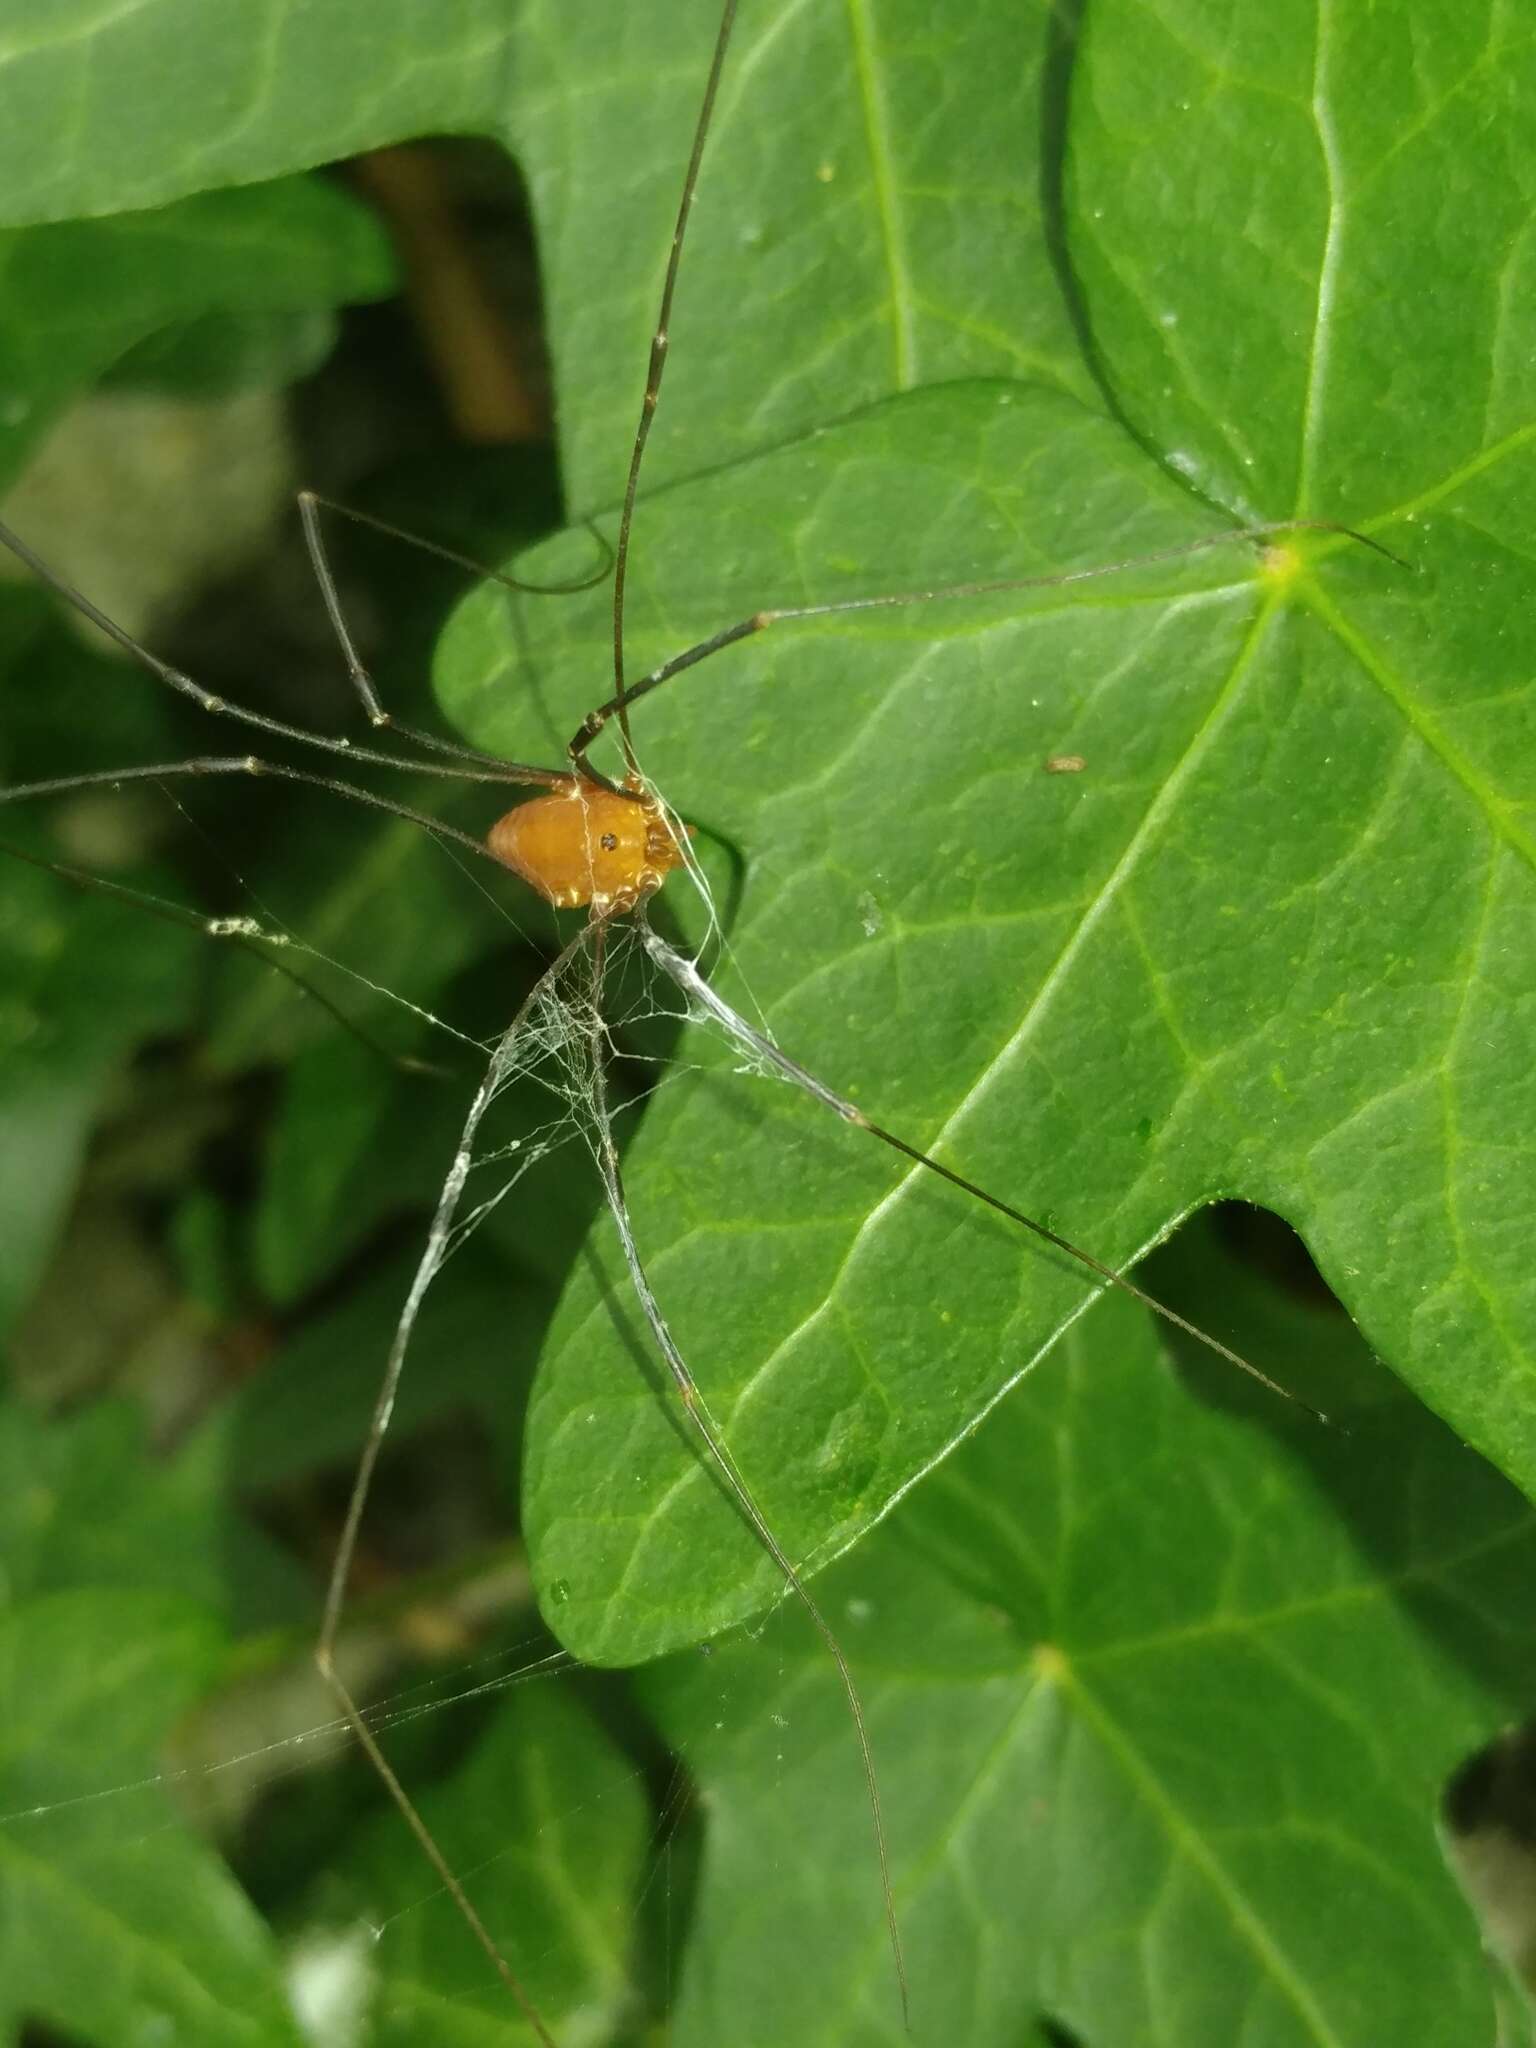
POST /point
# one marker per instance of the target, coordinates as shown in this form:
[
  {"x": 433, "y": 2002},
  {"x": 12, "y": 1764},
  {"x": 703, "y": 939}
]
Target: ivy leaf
[
  {"x": 312, "y": 1405},
  {"x": 874, "y": 169},
  {"x": 245, "y": 97},
  {"x": 1272, "y": 942},
  {"x": 1162, "y": 1699}
]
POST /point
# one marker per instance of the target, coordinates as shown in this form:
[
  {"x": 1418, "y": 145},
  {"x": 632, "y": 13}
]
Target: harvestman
[{"x": 591, "y": 842}]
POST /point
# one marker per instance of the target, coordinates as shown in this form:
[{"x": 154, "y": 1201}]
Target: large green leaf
[
  {"x": 866, "y": 168},
  {"x": 1274, "y": 941},
  {"x": 251, "y": 92},
  {"x": 1163, "y": 1698},
  {"x": 1266, "y": 944}
]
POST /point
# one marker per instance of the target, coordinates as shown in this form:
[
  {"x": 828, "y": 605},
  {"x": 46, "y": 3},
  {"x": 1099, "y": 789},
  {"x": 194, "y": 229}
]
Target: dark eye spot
[{"x": 608, "y": 842}]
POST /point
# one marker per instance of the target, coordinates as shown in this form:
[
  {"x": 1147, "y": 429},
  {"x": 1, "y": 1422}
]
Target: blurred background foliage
[{"x": 214, "y": 1195}]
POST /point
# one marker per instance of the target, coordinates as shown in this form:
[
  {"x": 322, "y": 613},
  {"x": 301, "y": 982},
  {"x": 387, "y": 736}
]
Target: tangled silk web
[
  {"x": 566, "y": 1041},
  {"x": 563, "y": 1042},
  {"x": 561, "y": 1039}
]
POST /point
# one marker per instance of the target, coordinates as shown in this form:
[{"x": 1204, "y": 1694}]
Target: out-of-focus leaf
[
  {"x": 324, "y": 1188},
  {"x": 355, "y": 1142},
  {"x": 119, "y": 1576},
  {"x": 224, "y": 352},
  {"x": 385, "y": 899},
  {"x": 80, "y": 984},
  {"x": 78, "y": 294},
  {"x": 310, "y": 1407},
  {"x": 83, "y": 1504},
  {"x": 115, "y": 1922},
  {"x": 546, "y": 1825}
]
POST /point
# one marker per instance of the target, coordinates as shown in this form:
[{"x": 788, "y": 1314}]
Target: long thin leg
[
  {"x": 208, "y": 700},
  {"x": 653, "y": 376},
  {"x": 708, "y": 1432},
  {"x": 483, "y": 570},
  {"x": 693, "y": 984},
  {"x": 248, "y": 937},
  {"x": 433, "y": 1253},
  {"x": 630, "y": 693},
  {"x": 248, "y": 764},
  {"x": 310, "y": 506}
]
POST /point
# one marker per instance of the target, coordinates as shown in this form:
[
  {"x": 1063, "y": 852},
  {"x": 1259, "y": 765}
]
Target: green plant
[{"x": 1161, "y": 1694}]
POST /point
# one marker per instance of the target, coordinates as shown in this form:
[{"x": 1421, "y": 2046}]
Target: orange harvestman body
[{"x": 588, "y": 846}]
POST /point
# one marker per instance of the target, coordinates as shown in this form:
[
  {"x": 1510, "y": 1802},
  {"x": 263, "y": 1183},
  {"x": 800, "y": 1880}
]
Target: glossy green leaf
[
  {"x": 1224, "y": 959},
  {"x": 256, "y": 91},
  {"x": 872, "y": 165},
  {"x": 873, "y": 217},
  {"x": 1162, "y": 1697},
  {"x": 1273, "y": 941}
]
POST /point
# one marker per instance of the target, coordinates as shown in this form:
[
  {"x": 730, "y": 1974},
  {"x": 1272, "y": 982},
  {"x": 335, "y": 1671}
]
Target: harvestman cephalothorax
[{"x": 604, "y": 843}]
